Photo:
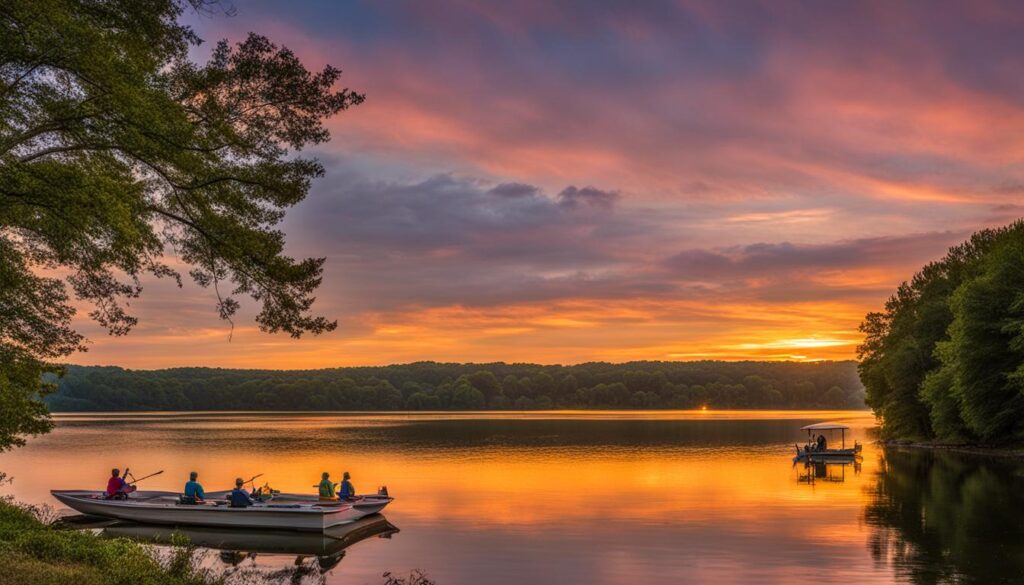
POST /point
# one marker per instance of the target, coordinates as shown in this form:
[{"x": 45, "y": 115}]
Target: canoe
[{"x": 285, "y": 511}]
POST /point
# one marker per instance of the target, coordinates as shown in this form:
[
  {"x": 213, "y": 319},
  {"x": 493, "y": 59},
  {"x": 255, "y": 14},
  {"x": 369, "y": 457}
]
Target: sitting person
[
  {"x": 194, "y": 493},
  {"x": 239, "y": 498},
  {"x": 822, "y": 443},
  {"x": 326, "y": 487},
  {"x": 347, "y": 491},
  {"x": 117, "y": 488}
]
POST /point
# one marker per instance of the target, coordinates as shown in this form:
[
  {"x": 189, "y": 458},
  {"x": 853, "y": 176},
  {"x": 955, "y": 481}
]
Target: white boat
[
  {"x": 810, "y": 452},
  {"x": 284, "y": 511}
]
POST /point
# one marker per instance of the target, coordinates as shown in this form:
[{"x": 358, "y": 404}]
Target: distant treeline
[
  {"x": 945, "y": 359},
  {"x": 443, "y": 386}
]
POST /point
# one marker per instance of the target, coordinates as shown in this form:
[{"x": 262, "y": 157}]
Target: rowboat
[
  {"x": 284, "y": 511},
  {"x": 810, "y": 452}
]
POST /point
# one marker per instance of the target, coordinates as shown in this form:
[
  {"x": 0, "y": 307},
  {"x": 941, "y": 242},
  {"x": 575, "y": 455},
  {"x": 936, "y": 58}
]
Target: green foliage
[
  {"x": 114, "y": 146},
  {"x": 32, "y": 552},
  {"x": 986, "y": 347},
  {"x": 946, "y": 358},
  {"x": 438, "y": 386}
]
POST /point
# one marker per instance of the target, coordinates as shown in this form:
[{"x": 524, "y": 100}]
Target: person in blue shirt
[
  {"x": 346, "y": 490},
  {"x": 239, "y": 498},
  {"x": 194, "y": 493}
]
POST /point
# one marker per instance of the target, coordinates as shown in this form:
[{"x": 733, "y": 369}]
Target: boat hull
[
  {"x": 831, "y": 454},
  {"x": 300, "y": 513}
]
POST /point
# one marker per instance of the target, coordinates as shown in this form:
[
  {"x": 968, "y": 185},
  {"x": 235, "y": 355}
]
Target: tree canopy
[
  {"x": 116, "y": 149},
  {"x": 443, "y": 386},
  {"x": 945, "y": 359}
]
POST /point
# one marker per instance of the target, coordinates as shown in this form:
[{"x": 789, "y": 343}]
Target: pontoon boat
[{"x": 811, "y": 452}]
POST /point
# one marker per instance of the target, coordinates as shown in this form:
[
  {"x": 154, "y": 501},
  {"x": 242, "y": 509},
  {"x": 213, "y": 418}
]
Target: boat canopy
[{"x": 825, "y": 426}]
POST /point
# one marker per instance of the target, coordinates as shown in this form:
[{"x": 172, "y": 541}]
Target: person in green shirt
[{"x": 326, "y": 487}]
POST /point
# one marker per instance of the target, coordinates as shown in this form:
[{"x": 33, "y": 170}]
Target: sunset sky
[{"x": 576, "y": 181}]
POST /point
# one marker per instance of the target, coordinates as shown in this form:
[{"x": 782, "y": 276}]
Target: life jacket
[
  {"x": 347, "y": 490},
  {"x": 239, "y": 498},
  {"x": 115, "y": 485}
]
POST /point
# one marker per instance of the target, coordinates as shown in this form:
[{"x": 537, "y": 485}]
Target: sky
[{"x": 572, "y": 181}]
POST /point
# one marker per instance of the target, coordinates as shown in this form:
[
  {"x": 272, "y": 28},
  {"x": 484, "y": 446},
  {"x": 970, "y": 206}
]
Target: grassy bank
[{"x": 35, "y": 553}]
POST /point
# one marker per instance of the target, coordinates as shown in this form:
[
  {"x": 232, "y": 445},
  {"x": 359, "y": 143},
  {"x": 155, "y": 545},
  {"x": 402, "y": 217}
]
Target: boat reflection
[
  {"x": 235, "y": 546},
  {"x": 831, "y": 470}
]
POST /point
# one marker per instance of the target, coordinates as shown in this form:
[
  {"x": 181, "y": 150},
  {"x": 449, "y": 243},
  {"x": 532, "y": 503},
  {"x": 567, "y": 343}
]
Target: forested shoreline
[
  {"x": 945, "y": 360},
  {"x": 449, "y": 386}
]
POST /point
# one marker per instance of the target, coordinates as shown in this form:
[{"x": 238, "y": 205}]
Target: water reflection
[
  {"x": 601, "y": 498},
  {"x": 326, "y": 549},
  {"x": 943, "y": 517},
  {"x": 829, "y": 470}
]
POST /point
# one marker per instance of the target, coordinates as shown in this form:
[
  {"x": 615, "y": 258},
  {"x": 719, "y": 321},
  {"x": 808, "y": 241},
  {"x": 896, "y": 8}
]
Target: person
[
  {"x": 194, "y": 493},
  {"x": 239, "y": 498},
  {"x": 822, "y": 443},
  {"x": 117, "y": 488},
  {"x": 347, "y": 490},
  {"x": 326, "y": 487}
]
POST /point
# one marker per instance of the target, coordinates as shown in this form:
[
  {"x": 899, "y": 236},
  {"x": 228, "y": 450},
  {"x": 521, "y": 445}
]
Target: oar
[
  {"x": 251, "y": 479},
  {"x": 135, "y": 481}
]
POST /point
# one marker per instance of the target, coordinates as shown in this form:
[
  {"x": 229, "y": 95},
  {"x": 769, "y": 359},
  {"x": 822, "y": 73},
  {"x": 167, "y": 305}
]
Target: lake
[{"x": 581, "y": 497}]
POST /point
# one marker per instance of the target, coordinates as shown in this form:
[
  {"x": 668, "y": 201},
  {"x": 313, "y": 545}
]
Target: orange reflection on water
[{"x": 724, "y": 474}]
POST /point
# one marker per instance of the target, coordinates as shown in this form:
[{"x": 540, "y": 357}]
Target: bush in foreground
[{"x": 32, "y": 552}]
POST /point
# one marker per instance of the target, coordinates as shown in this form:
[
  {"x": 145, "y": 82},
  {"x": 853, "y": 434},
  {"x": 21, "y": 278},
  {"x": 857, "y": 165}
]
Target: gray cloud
[
  {"x": 587, "y": 196},
  {"x": 514, "y": 190},
  {"x": 449, "y": 240},
  {"x": 784, "y": 259}
]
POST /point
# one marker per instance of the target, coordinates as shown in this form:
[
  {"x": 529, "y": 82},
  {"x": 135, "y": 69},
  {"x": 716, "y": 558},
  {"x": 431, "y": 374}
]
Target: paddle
[
  {"x": 251, "y": 479},
  {"x": 135, "y": 481}
]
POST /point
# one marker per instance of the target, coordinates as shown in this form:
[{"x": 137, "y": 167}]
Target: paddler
[
  {"x": 194, "y": 493},
  {"x": 347, "y": 491},
  {"x": 117, "y": 487},
  {"x": 326, "y": 487},
  {"x": 239, "y": 498}
]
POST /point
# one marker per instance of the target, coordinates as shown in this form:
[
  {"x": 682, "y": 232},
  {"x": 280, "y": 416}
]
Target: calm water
[{"x": 605, "y": 498}]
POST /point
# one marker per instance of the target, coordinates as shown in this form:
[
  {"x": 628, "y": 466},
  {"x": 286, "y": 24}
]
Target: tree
[
  {"x": 92, "y": 388},
  {"x": 834, "y": 397},
  {"x": 985, "y": 354},
  {"x": 421, "y": 401},
  {"x": 466, "y": 397},
  {"x": 946, "y": 358},
  {"x": 485, "y": 382},
  {"x": 114, "y": 146},
  {"x": 899, "y": 350}
]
